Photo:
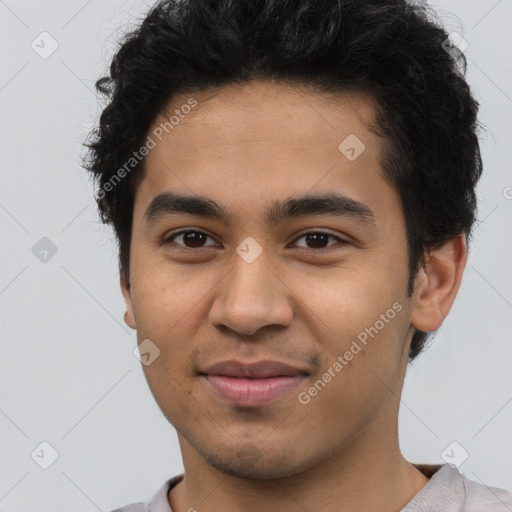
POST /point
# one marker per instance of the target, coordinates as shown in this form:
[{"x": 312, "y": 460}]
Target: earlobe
[
  {"x": 437, "y": 284},
  {"x": 129, "y": 317}
]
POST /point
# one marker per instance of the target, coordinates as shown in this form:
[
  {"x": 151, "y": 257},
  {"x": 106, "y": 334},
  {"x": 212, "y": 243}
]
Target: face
[{"x": 269, "y": 273}]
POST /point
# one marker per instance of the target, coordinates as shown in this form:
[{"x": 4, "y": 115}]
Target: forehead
[
  {"x": 259, "y": 141},
  {"x": 266, "y": 112}
]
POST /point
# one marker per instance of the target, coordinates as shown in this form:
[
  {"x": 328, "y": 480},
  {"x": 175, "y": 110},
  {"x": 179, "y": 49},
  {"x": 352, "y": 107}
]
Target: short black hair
[{"x": 395, "y": 51}]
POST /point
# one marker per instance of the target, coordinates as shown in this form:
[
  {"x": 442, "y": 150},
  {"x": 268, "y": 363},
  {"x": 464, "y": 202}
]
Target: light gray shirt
[{"x": 447, "y": 491}]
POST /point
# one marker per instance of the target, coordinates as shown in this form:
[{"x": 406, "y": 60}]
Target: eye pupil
[
  {"x": 317, "y": 238},
  {"x": 194, "y": 237}
]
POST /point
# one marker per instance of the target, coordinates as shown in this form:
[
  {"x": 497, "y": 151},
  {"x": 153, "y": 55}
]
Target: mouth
[{"x": 252, "y": 385}]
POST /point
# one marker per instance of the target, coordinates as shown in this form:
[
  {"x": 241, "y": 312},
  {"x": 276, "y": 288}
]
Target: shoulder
[
  {"x": 158, "y": 503},
  {"x": 449, "y": 489},
  {"x": 483, "y": 498},
  {"x": 134, "y": 507}
]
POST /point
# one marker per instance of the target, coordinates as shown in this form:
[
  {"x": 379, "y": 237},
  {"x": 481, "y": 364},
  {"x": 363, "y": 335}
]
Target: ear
[
  {"x": 129, "y": 317},
  {"x": 437, "y": 283}
]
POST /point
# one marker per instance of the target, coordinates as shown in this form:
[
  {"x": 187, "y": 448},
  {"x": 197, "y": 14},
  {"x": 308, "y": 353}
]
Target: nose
[{"x": 251, "y": 296}]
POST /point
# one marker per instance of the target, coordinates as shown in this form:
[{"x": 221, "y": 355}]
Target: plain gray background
[{"x": 67, "y": 369}]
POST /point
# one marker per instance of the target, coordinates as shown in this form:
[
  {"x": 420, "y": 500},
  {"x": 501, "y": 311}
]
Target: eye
[
  {"x": 318, "y": 240},
  {"x": 195, "y": 239},
  {"x": 190, "y": 238}
]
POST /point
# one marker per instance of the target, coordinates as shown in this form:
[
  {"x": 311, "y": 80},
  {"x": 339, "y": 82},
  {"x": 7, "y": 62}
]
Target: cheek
[
  {"x": 164, "y": 309},
  {"x": 165, "y": 297},
  {"x": 360, "y": 364},
  {"x": 349, "y": 298},
  {"x": 163, "y": 316},
  {"x": 362, "y": 318}
]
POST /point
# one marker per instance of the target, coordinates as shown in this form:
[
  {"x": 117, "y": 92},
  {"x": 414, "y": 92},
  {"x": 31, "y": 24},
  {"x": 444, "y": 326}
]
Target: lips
[
  {"x": 258, "y": 370},
  {"x": 252, "y": 384}
]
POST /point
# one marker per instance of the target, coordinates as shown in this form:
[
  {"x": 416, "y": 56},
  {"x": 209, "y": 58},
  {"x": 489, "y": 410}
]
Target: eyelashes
[{"x": 314, "y": 236}]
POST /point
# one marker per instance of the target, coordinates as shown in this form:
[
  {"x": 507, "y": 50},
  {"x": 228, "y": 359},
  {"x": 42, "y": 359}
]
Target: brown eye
[
  {"x": 318, "y": 240},
  {"x": 191, "y": 239}
]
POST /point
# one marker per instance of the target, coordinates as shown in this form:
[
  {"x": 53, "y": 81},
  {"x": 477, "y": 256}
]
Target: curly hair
[{"x": 394, "y": 50}]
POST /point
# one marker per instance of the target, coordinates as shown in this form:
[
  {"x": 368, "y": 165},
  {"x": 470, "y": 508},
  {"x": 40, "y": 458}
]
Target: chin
[{"x": 248, "y": 461}]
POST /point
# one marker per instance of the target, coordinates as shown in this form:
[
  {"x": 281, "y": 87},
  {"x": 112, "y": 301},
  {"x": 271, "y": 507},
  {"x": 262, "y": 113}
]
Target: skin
[{"x": 244, "y": 147}]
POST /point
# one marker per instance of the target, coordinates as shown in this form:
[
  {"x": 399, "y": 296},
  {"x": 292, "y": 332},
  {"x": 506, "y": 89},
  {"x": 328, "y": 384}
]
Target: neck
[{"x": 361, "y": 476}]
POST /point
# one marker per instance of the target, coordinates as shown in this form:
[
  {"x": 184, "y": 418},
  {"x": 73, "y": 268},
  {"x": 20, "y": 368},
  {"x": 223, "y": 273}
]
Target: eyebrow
[{"x": 170, "y": 203}]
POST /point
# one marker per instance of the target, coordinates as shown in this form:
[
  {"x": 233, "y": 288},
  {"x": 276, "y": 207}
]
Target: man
[{"x": 292, "y": 185}]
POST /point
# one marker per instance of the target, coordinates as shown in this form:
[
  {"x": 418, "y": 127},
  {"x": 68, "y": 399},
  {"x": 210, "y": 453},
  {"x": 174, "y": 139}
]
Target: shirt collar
[
  {"x": 444, "y": 491},
  {"x": 160, "y": 501}
]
